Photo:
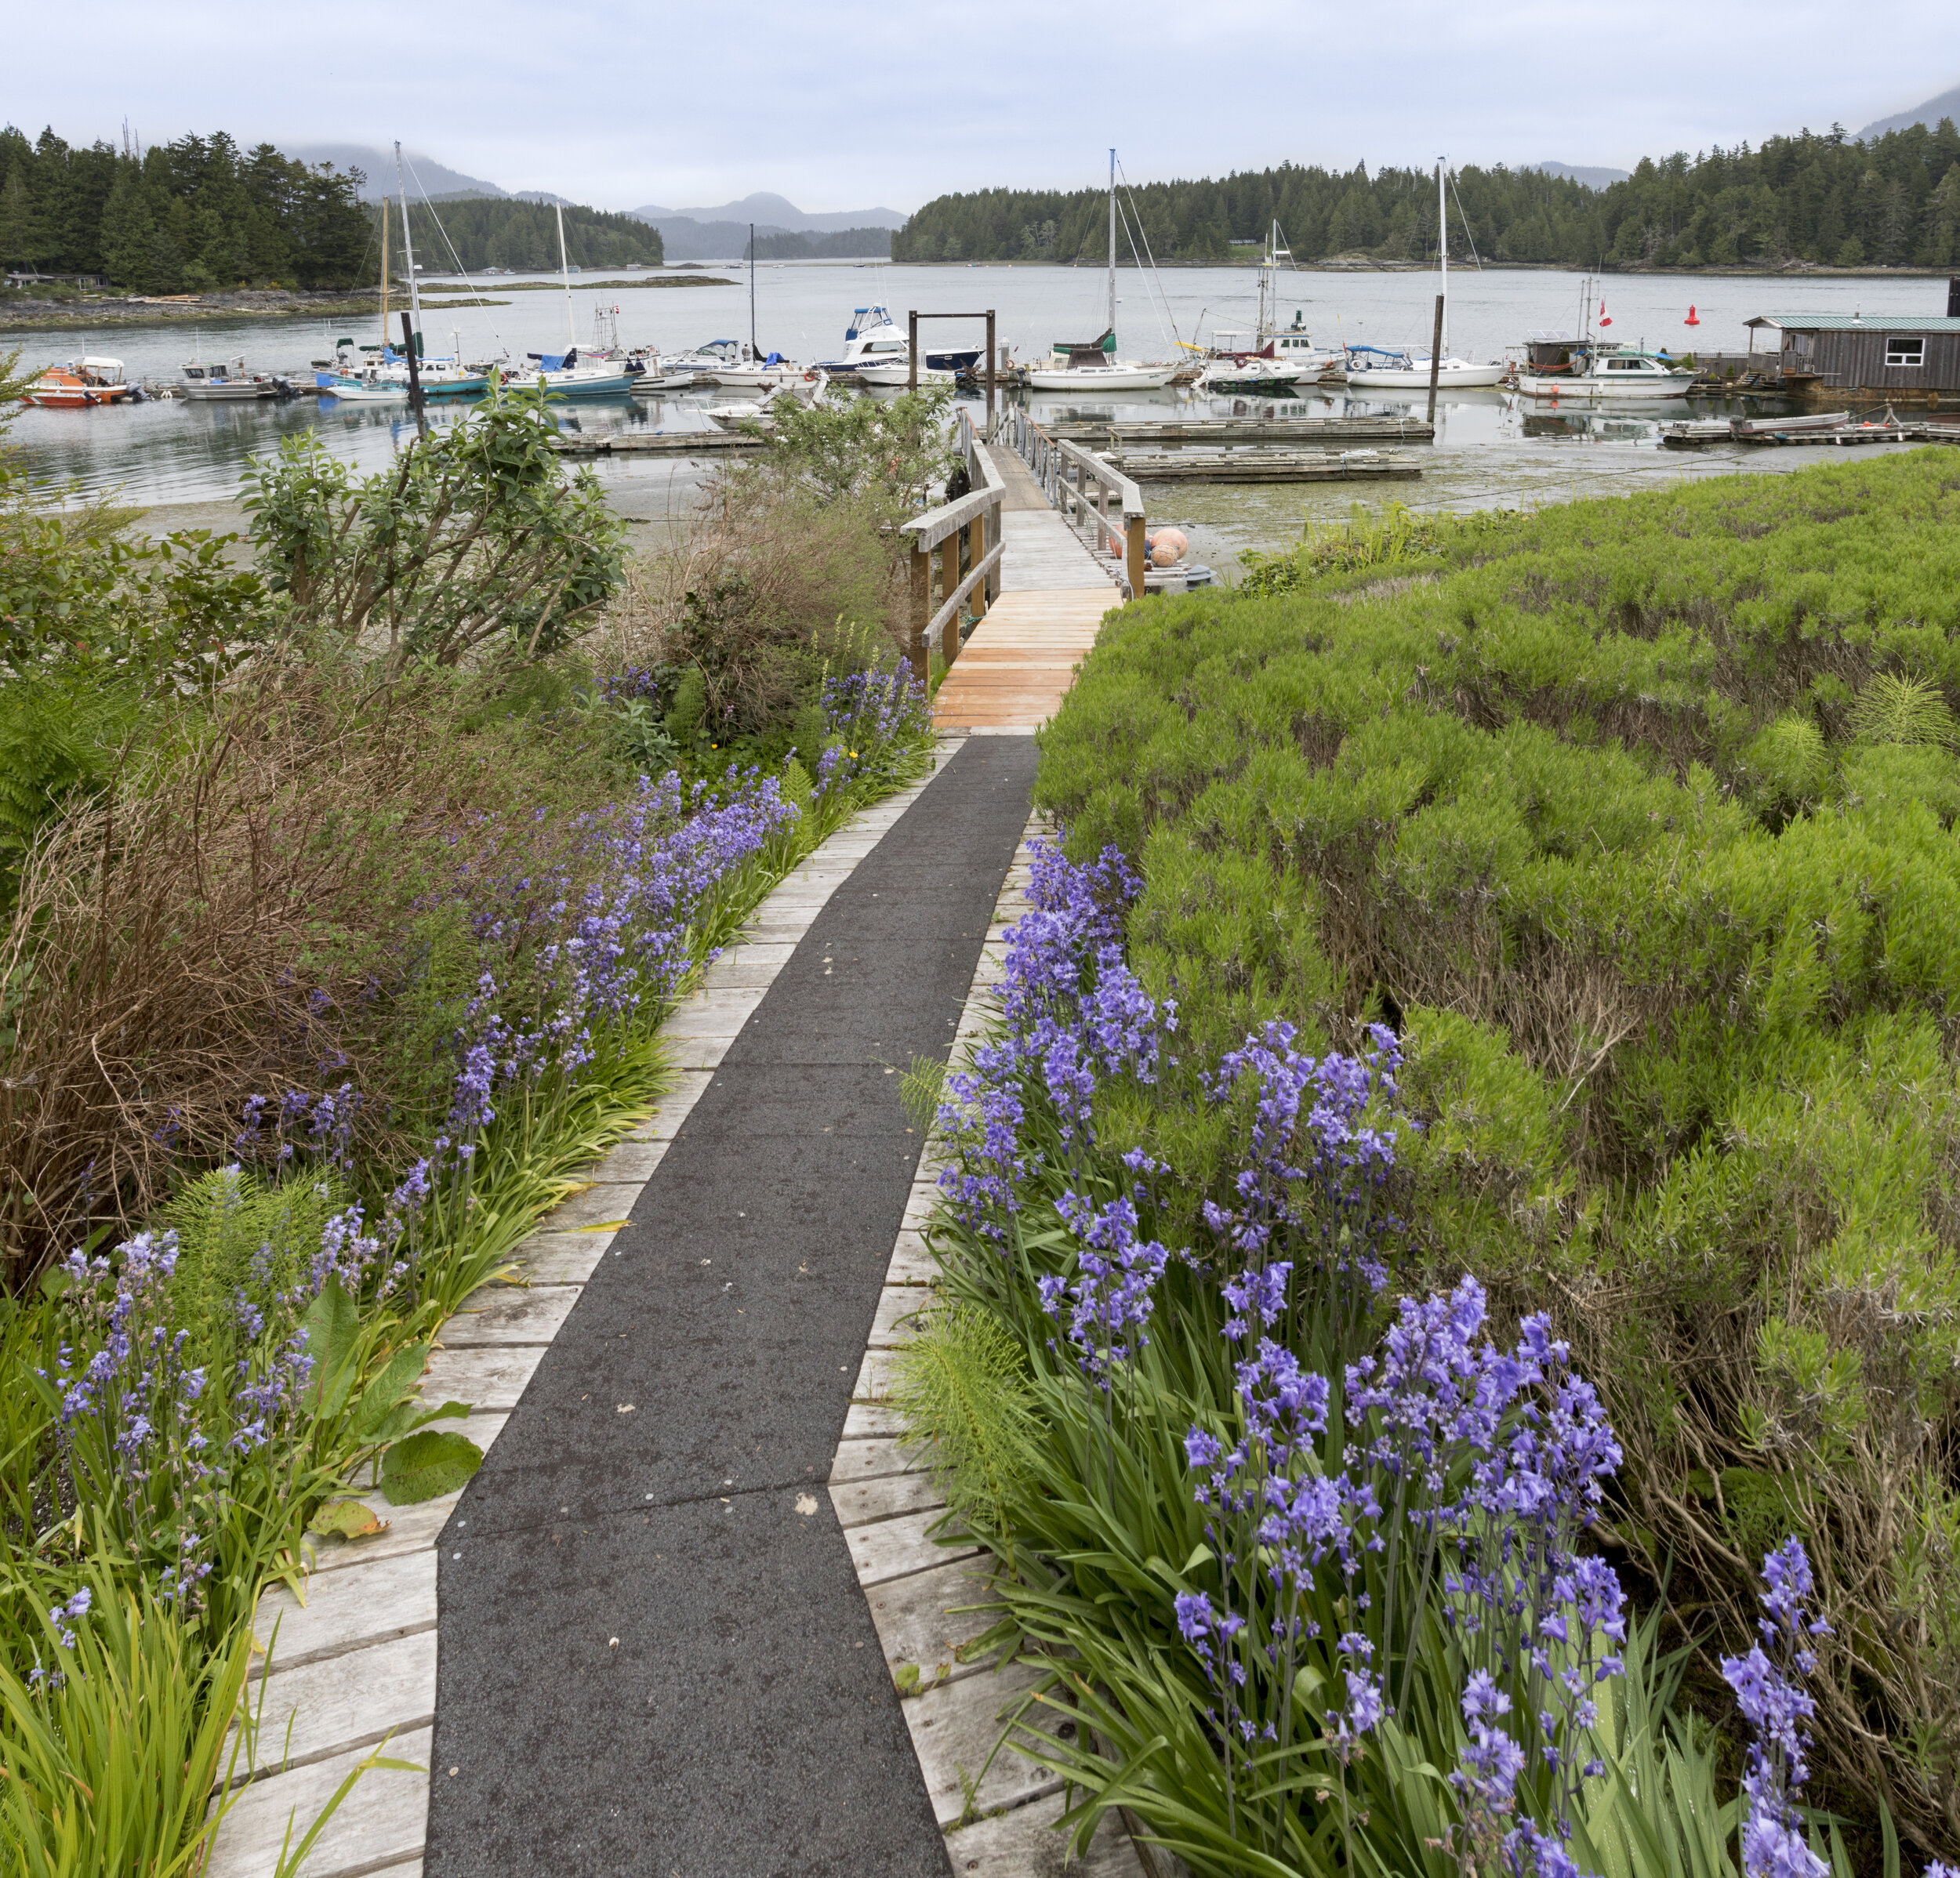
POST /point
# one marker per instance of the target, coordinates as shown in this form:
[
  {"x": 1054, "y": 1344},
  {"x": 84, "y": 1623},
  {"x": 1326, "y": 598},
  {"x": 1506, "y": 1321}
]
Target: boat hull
[
  {"x": 1101, "y": 378},
  {"x": 228, "y": 394},
  {"x": 901, "y": 375},
  {"x": 1572, "y": 388},
  {"x": 1460, "y": 378}
]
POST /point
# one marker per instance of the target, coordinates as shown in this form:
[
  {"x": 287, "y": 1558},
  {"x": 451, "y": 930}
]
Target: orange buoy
[{"x": 1692, "y": 320}]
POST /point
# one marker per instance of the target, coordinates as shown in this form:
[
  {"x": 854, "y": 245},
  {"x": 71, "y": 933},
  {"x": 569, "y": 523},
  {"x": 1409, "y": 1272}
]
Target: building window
[{"x": 1902, "y": 352}]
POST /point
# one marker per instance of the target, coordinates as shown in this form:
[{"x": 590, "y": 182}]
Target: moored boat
[
  {"x": 1406, "y": 371},
  {"x": 79, "y": 384},
  {"x": 227, "y": 380},
  {"x": 899, "y": 371},
  {"x": 1560, "y": 365}
]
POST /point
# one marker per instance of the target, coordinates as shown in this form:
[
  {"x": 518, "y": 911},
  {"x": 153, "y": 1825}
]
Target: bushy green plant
[{"x": 1636, "y": 819}]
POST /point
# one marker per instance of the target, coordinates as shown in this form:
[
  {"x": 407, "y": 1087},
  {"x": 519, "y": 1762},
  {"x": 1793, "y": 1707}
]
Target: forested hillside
[
  {"x": 183, "y": 217},
  {"x": 873, "y": 244},
  {"x": 1817, "y": 198},
  {"x": 506, "y": 231}
]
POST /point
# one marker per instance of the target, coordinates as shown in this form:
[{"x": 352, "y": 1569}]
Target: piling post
[
  {"x": 989, "y": 374},
  {"x": 912, "y": 350},
  {"x": 416, "y": 403},
  {"x": 1135, "y": 557},
  {"x": 1436, "y": 361},
  {"x": 915, "y": 653}
]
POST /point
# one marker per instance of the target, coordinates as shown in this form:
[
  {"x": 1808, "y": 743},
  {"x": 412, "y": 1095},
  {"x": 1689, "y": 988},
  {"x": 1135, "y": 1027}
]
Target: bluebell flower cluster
[
  {"x": 1440, "y": 1460},
  {"x": 1768, "y": 1686},
  {"x": 866, "y": 714}
]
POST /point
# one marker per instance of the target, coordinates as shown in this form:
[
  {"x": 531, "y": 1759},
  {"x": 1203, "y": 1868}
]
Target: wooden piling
[
  {"x": 416, "y": 402},
  {"x": 1435, "y": 359}
]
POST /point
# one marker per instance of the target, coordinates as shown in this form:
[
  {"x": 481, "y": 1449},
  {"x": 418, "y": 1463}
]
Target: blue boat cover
[
  {"x": 550, "y": 361},
  {"x": 774, "y": 358}
]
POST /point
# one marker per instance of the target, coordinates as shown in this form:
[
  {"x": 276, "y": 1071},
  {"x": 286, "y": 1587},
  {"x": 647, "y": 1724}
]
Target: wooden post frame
[
  {"x": 916, "y": 652},
  {"x": 989, "y": 374},
  {"x": 417, "y": 402},
  {"x": 1135, "y": 558},
  {"x": 912, "y": 352},
  {"x": 1435, "y": 360}
]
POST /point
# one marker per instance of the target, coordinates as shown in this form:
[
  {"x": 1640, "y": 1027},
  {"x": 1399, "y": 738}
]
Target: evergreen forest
[
  {"x": 1821, "y": 197},
  {"x": 511, "y": 232},
  {"x": 185, "y": 217}
]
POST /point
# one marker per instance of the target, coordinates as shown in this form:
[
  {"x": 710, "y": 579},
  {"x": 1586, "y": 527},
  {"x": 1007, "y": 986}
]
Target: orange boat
[{"x": 79, "y": 384}]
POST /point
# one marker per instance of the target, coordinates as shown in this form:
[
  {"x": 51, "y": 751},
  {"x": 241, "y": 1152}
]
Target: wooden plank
[
  {"x": 489, "y": 1378},
  {"x": 874, "y": 1459},
  {"x": 894, "y": 1548},
  {"x": 503, "y": 1313},
  {"x": 381, "y": 1825},
  {"x": 1023, "y": 1842},
  {"x": 347, "y": 1610},
  {"x": 350, "y": 1701},
  {"x": 885, "y": 1496},
  {"x": 955, "y": 1729},
  {"x": 921, "y": 1619}
]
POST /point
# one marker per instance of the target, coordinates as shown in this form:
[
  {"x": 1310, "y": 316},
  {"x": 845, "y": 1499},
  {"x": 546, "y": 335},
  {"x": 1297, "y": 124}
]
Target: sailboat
[
  {"x": 1095, "y": 367},
  {"x": 1410, "y": 370},
  {"x": 1273, "y": 358},
  {"x": 565, "y": 374}
]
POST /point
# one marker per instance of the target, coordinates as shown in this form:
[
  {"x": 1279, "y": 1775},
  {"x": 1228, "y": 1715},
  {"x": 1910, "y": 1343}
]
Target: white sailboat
[
  {"x": 565, "y": 374},
  {"x": 1093, "y": 368},
  {"x": 1411, "y": 370}
]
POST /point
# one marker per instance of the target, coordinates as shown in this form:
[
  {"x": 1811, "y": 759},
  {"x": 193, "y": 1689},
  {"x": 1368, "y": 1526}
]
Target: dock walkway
[{"x": 1013, "y": 670}]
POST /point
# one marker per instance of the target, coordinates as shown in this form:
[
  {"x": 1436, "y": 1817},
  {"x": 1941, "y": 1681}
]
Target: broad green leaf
[
  {"x": 332, "y": 1325},
  {"x": 406, "y": 1417},
  {"x": 385, "y": 1393},
  {"x": 427, "y": 1465}
]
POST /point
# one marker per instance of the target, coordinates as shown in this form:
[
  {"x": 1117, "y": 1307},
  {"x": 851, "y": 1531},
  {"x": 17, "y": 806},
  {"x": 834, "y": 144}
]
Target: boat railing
[
  {"x": 959, "y": 533},
  {"x": 1088, "y": 493}
]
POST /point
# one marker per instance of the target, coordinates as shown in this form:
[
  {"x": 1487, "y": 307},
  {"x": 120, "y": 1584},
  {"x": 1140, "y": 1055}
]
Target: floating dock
[
  {"x": 1216, "y": 430},
  {"x": 658, "y": 442},
  {"x": 1262, "y": 466}
]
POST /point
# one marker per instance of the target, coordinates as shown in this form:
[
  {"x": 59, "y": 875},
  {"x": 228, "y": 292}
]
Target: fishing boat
[
  {"x": 1233, "y": 367},
  {"x": 79, "y": 384},
  {"x": 1095, "y": 367},
  {"x": 228, "y": 380},
  {"x": 1404, "y": 369},
  {"x": 1565, "y": 365}
]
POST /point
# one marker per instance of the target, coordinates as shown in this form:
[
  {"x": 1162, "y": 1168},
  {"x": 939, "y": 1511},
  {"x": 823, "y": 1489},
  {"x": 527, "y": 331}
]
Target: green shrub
[{"x": 1637, "y": 819}]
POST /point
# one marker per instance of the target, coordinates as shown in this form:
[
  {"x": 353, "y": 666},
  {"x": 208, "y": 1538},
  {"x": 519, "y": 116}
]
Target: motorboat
[
  {"x": 1402, "y": 370},
  {"x": 1230, "y": 366},
  {"x": 209, "y": 380},
  {"x": 899, "y": 371},
  {"x": 1407, "y": 370},
  {"x": 1565, "y": 365},
  {"x": 79, "y": 384},
  {"x": 764, "y": 374},
  {"x": 654, "y": 380},
  {"x": 703, "y": 361},
  {"x": 369, "y": 389},
  {"x": 1094, "y": 367},
  {"x": 734, "y": 415},
  {"x": 874, "y": 338}
]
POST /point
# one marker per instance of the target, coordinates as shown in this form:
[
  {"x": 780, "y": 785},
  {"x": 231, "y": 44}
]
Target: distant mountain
[
  {"x": 781, "y": 216},
  {"x": 436, "y": 179},
  {"x": 1946, "y": 105},
  {"x": 1589, "y": 174},
  {"x": 685, "y": 239}
]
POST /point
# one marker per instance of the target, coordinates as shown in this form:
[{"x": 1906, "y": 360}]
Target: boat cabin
[{"x": 1828, "y": 357}]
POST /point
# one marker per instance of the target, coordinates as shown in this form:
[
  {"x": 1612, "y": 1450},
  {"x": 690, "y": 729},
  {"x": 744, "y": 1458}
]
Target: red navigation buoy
[{"x": 1692, "y": 320}]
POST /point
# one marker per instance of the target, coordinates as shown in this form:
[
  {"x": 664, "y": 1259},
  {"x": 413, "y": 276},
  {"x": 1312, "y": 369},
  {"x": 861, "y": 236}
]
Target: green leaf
[
  {"x": 332, "y": 1326},
  {"x": 386, "y": 1392},
  {"x": 346, "y": 1519},
  {"x": 426, "y": 1465},
  {"x": 406, "y": 1417}
]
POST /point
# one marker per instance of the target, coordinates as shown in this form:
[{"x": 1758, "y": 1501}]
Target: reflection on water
[{"x": 1490, "y": 449}]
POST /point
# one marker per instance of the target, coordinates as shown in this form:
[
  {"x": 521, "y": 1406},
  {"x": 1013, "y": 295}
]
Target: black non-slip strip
[{"x": 650, "y": 1661}]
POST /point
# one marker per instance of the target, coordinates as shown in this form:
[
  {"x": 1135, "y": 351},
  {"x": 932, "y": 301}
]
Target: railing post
[
  {"x": 1133, "y": 528},
  {"x": 915, "y": 653},
  {"x": 949, "y": 586}
]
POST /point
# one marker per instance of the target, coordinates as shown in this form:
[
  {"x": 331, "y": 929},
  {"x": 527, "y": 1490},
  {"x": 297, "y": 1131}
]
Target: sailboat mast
[
  {"x": 408, "y": 249},
  {"x": 1113, "y": 240},
  {"x": 384, "y": 273},
  {"x": 1443, "y": 254},
  {"x": 564, "y": 274},
  {"x": 752, "y": 346}
]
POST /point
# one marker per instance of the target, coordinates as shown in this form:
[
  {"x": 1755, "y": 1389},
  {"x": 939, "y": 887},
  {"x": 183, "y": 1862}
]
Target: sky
[{"x": 843, "y": 104}]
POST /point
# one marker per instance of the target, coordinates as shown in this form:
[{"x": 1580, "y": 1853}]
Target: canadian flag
[{"x": 1603, "y": 319}]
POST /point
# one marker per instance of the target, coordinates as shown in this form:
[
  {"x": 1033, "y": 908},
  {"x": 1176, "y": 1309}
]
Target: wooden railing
[
  {"x": 1086, "y": 490},
  {"x": 967, "y": 524}
]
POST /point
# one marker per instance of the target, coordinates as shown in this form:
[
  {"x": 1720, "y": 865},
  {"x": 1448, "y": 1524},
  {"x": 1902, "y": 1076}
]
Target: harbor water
[{"x": 185, "y": 460}]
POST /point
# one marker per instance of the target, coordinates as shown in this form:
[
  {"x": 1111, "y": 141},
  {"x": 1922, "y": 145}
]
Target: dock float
[
  {"x": 1262, "y": 466},
  {"x": 1216, "y": 430},
  {"x": 661, "y": 443}
]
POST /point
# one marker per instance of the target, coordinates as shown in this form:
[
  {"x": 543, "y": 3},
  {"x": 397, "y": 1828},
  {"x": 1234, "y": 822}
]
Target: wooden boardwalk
[{"x": 1013, "y": 670}]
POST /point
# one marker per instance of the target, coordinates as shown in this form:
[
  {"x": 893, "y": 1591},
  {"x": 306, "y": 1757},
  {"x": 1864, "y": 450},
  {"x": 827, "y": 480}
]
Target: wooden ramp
[{"x": 1013, "y": 668}]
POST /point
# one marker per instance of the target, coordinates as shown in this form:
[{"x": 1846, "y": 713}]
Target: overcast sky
[{"x": 843, "y": 106}]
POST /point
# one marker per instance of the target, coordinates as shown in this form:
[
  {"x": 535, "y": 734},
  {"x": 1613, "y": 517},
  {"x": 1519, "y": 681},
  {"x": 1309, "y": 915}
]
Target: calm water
[{"x": 1491, "y": 448}]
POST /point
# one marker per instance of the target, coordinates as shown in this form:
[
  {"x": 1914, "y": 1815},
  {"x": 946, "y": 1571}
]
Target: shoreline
[{"x": 251, "y": 309}]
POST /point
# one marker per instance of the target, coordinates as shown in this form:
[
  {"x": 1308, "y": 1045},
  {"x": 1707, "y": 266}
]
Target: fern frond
[
  {"x": 1892, "y": 709},
  {"x": 961, "y": 1385},
  {"x": 921, "y": 1089}
]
